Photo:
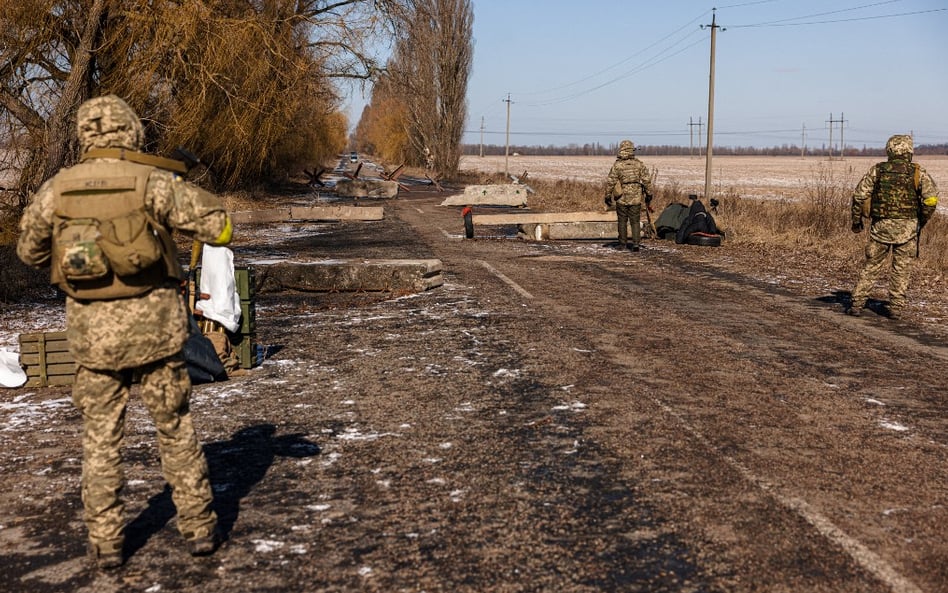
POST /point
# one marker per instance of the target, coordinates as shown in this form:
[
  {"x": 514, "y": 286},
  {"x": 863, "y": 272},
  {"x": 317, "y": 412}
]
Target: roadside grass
[{"x": 817, "y": 220}]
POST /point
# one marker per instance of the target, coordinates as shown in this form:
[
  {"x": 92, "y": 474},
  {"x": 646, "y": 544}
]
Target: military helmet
[
  {"x": 626, "y": 148},
  {"x": 108, "y": 122},
  {"x": 899, "y": 145}
]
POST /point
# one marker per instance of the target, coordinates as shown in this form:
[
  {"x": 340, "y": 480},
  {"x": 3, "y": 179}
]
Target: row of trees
[
  {"x": 253, "y": 87},
  {"x": 418, "y": 106},
  {"x": 597, "y": 149}
]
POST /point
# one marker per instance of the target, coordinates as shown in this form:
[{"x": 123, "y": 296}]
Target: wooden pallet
[{"x": 46, "y": 359}]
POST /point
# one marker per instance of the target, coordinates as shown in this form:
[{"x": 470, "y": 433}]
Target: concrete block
[
  {"x": 391, "y": 275},
  {"x": 543, "y": 217},
  {"x": 308, "y": 213},
  {"x": 508, "y": 194},
  {"x": 568, "y": 230},
  {"x": 366, "y": 188}
]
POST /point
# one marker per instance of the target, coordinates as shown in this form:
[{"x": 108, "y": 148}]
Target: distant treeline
[{"x": 669, "y": 150}]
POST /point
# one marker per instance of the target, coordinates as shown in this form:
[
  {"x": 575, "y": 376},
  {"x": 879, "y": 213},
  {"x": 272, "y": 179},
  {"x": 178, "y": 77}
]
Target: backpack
[
  {"x": 669, "y": 221},
  {"x": 105, "y": 244},
  {"x": 88, "y": 248},
  {"x": 699, "y": 221}
]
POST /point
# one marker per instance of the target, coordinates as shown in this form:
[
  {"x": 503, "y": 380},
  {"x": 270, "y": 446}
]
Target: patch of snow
[{"x": 893, "y": 426}]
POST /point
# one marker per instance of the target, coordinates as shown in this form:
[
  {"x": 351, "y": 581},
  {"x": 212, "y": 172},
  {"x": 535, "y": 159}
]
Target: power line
[
  {"x": 619, "y": 63},
  {"x": 626, "y": 74},
  {"x": 786, "y": 23}
]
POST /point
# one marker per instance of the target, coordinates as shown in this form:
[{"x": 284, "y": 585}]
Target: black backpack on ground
[{"x": 698, "y": 222}]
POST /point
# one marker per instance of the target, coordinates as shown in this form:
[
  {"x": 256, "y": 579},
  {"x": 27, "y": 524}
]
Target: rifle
[{"x": 652, "y": 232}]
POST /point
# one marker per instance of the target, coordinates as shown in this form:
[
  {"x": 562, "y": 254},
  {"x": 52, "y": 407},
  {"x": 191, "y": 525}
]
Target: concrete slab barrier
[
  {"x": 388, "y": 275},
  {"x": 511, "y": 194},
  {"x": 366, "y": 188},
  {"x": 308, "y": 214}
]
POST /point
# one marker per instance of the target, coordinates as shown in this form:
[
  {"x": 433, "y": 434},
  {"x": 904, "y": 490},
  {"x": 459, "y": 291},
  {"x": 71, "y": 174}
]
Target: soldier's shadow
[
  {"x": 844, "y": 298},
  {"x": 236, "y": 466}
]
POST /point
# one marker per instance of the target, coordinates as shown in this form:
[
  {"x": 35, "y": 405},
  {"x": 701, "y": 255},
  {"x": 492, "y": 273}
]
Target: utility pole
[
  {"x": 831, "y": 122},
  {"x": 691, "y": 126},
  {"x": 842, "y": 143},
  {"x": 831, "y": 136},
  {"x": 507, "y": 147},
  {"x": 482, "y": 136},
  {"x": 691, "y": 138},
  {"x": 803, "y": 143},
  {"x": 707, "y": 169}
]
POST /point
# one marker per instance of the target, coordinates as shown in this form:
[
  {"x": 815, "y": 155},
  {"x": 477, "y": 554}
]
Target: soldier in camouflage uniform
[
  {"x": 899, "y": 197},
  {"x": 120, "y": 326},
  {"x": 627, "y": 187}
]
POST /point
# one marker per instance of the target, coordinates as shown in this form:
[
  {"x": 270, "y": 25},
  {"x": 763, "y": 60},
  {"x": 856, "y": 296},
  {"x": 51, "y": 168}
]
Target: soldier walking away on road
[
  {"x": 627, "y": 187},
  {"x": 104, "y": 229},
  {"x": 899, "y": 197}
]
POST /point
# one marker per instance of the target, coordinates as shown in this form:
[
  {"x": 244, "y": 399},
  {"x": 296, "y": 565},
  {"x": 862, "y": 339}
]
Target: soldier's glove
[
  {"x": 857, "y": 225},
  {"x": 609, "y": 203}
]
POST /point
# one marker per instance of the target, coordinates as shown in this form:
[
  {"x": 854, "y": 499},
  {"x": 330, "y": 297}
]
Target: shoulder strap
[{"x": 135, "y": 157}]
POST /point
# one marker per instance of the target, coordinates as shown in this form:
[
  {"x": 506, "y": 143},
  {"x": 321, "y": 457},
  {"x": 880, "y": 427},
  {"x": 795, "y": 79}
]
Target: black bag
[
  {"x": 204, "y": 366},
  {"x": 669, "y": 221},
  {"x": 699, "y": 220}
]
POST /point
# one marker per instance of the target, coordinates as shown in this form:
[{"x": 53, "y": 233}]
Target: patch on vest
[{"x": 81, "y": 257}]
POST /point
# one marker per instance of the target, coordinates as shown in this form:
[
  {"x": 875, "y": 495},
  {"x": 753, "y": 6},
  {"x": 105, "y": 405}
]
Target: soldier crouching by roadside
[
  {"x": 104, "y": 229},
  {"x": 899, "y": 197},
  {"x": 627, "y": 187}
]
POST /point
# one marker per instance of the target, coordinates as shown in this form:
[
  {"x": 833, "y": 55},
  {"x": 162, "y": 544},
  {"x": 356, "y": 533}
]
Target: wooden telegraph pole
[
  {"x": 707, "y": 169},
  {"x": 507, "y": 147}
]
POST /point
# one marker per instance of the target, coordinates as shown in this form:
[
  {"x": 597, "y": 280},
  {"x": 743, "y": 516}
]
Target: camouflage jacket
[
  {"x": 894, "y": 223},
  {"x": 126, "y": 333},
  {"x": 634, "y": 177}
]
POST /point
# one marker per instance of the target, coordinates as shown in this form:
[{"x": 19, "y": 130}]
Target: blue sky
[{"x": 603, "y": 70}]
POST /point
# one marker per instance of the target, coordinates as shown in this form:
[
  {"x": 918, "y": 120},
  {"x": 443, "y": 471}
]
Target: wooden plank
[
  {"x": 37, "y": 347},
  {"x": 543, "y": 217},
  {"x": 52, "y": 369},
  {"x": 28, "y": 359},
  {"x": 56, "y": 380}
]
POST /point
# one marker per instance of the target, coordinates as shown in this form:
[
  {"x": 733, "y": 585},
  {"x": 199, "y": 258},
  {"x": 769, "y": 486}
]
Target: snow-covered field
[{"x": 750, "y": 176}]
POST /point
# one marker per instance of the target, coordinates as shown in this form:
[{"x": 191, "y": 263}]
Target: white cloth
[
  {"x": 218, "y": 281},
  {"x": 11, "y": 374}
]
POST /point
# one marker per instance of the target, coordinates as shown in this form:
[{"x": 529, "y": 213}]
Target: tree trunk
[{"x": 60, "y": 132}]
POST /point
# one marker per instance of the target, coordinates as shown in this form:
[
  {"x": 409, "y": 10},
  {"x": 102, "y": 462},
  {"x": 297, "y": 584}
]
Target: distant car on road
[{"x": 353, "y": 157}]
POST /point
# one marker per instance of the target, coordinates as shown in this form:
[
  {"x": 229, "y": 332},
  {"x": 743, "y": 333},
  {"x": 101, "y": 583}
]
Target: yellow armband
[
  {"x": 226, "y": 235},
  {"x": 930, "y": 201}
]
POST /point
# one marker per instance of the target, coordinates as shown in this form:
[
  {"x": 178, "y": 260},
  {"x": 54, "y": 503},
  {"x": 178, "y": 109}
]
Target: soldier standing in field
[
  {"x": 627, "y": 187},
  {"x": 899, "y": 197},
  {"x": 103, "y": 227}
]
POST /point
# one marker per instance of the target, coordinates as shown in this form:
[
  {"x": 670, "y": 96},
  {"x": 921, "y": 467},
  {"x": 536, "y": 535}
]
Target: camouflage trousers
[
  {"x": 903, "y": 258},
  {"x": 629, "y": 214},
  {"x": 102, "y": 397}
]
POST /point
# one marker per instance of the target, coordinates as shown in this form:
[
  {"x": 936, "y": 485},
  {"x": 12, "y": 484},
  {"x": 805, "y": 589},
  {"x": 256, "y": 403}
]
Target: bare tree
[
  {"x": 250, "y": 85},
  {"x": 428, "y": 73}
]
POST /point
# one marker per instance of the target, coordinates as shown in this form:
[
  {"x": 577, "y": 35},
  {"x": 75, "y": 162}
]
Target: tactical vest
[
  {"x": 105, "y": 243},
  {"x": 895, "y": 194}
]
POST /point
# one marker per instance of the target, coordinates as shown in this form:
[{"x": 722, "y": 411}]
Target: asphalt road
[{"x": 557, "y": 417}]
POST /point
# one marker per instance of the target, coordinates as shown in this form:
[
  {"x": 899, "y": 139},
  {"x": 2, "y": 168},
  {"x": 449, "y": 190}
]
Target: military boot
[
  {"x": 105, "y": 557},
  {"x": 855, "y": 309},
  {"x": 204, "y": 545},
  {"x": 893, "y": 312}
]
